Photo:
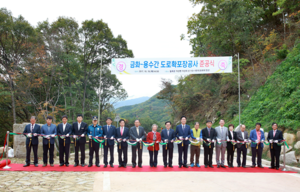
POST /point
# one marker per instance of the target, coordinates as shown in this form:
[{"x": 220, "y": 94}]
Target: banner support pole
[
  {"x": 6, "y": 166},
  {"x": 239, "y": 82}
]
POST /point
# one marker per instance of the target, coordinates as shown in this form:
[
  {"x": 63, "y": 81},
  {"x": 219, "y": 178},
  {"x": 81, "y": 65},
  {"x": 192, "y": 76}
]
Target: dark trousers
[
  {"x": 165, "y": 155},
  {"x": 111, "y": 151},
  {"x": 64, "y": 150},
  {"x": 153, "y": 157},
  {"x": 275, "y": 154},
  {"x": 195, "y": 151},
  {"x": 182, "y": 150},
  {"x": 80, "y": 146},
  {"x": 208, "y": 153},
  {"x": 240, "y": 150},
  {"x": 140, "y": 152},
  {"x": 230, "y": 154},
  {"x": 94, "y": 148},
  {"x": 45, "y": 153},
  {"x": 123, "y": 150},
  {"x": 28, "y": 151},
  {"x": 256, "y": 152}
]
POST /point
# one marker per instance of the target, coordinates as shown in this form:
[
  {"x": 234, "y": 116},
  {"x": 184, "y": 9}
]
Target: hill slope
[{"x": 131, "y": 102}]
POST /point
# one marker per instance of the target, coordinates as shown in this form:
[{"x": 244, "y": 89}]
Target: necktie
[
  {"x": 79, "y": 126},
  {"x": 221, "y": 131},
  {"x": 31, "y": 128},
  {"x": 274, "y": 132},
  {"x": 243, "y": 134},
  {"x": 231, "y": 135},
  {"x": 64, "y": 126},
  {"x": 48, "y": 128},
  {"x": 154, "y": 136},
  {"x": 208, "y": 131},
  {"x": 183, "y": 127},
  {"x": 122, "y": 131},
  {"x": 108, "y": 128},
  {"x": 168, "y": 132},
  {"x": 137, "y": 130}
]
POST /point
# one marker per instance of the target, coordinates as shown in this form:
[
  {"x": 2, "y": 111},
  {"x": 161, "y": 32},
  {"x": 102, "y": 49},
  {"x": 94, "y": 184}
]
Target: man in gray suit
[
  {"x": 222, "y": 137},
  {"x": 242, "y": 140},
  {"x": 137, "y": 133}
]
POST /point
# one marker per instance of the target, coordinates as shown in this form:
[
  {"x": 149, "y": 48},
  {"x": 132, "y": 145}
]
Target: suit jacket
[
  {"x": 124, "y": 136},
  {"x": 239, "y": 137},
  {"x": 278, "y": 136},
  {"x": 34, "y": 139},
  {"x": 184, "y": 133},
  {"x": 253, "y": 137},
  {"x": 133, "y": 134},
  {"x": 223, "y": 137},
  {"x": 205, "y": 136},
  {"x": 82, "y": 130},
  {"x": 60, "y": 131},
  {"x": 229, "y": 144},
  {"x": 109, "y": 133},
  {"x": 150, "y": 136},
  {"x": 45, "y": 131},
  {"x": 164, "y": 135}
]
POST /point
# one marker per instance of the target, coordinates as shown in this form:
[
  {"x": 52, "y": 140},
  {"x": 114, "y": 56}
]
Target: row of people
[{"x": 226, "y": 139}]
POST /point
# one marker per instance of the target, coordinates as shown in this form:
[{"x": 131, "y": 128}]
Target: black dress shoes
[
  {"x": 36, "y": 165},
  {"x": 244, "y": 166},
  {"x": 260, "y": 166},
  {"x": 133, "y": 166},
  {"x": 165, "y": 166},
  {"x": 120, "y": 166},
  {"x": 82, "y": 165},
  {"x": 223, "y": 166},
  {"x": 205, "y": 166},
  {"x": 44, "y": 165},
  {"x": 105, "y": 165},
  {"x": 252, "y": 166},
  {"x": 140, "y": 166},
  {"x": 90, "y": 165},
  {"x": 186, "y": 166},
  {"x": 97, "y": 165},
  {"x": 277, "y": 168},
  {"x": 111, "y": 165},
  {"x": 238, "y": 166},
  {"x": 67, "y": 165},
  {"x": 75, "y": 165},
  {"x": 61, "y": 164},
  {"x": 171, "y": 166},
  {"x": 51, "y": 165},
  {"x": 26, "y": 165},
  {"x": 218, "y": 166},
  {"x": 124, "y": 166},
  {"x": 180, "y": 166},
  {"x": 271, "y": 167},
  {"x": 211, "y": 166}
]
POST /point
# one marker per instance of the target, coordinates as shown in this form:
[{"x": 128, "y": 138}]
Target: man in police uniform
[{"x": 94, "y": 132}]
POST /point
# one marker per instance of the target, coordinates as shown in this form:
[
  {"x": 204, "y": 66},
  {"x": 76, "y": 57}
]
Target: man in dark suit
[
  {"x": 31, "y": 131},
  {"x": 64, "y": 130},
  {"x": 79, "y": 130},
  {"x": 48, "y": 131},
  {"x": 230, "y": 147},
  {"x": 137, "y": 133},
  {"x": 122, "y": 135},
  {"x": 183, "y": 132},
  {"x": 209, "y": 136},
  {"x": 109, "y": 132},
  {"x": 168, "y": 136},
  {"x": 242, "y": 140},
  {"x": 274, "y": 137}
]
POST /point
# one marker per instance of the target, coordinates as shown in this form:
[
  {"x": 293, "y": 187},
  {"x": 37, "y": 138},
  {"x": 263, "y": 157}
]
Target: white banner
[{"x": 194, "y": 65}]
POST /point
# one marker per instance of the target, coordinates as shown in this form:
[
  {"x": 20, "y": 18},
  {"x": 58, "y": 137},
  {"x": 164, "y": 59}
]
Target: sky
[{"x": 152, "y": 29}]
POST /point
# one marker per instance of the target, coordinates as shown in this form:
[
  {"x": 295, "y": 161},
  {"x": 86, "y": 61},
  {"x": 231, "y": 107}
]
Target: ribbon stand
[
  {"x": 283, "y": 169},
  {"x": 6, "y": 166}
]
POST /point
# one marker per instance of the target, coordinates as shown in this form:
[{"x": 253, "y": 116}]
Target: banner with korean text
[{"x": 194, "y": 65}]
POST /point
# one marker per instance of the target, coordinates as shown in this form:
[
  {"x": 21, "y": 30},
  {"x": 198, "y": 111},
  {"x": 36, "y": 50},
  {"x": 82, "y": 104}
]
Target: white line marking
[{"x": 106, "y": 181}]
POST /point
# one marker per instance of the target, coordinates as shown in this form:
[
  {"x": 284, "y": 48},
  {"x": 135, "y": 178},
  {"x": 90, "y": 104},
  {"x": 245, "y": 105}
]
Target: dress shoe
[
  {"x": 111, "y": 165},
  {"x": 186, "y": 166},
  {"x": 97, "y": 165},
  {"x": 51, "y": 165},
  {"x": 232, "y": 166},
  {"x": 36, "y": 165},
  {"x": 133, "y": 166},
  {"x": 171, "y": 166},
  {"x": 238, "y": 166},
  {"x": 120, "y": 166},
  {"x": 277, "y": 168},
  {"x": 223, "y": 166},
  {"x": 229, "y": 166},
  {"x": 211, "y": 166},
  {"x": 90, "y": 165},
  {"x": 155, "y": 165},
  {"x": 75, "y": 165},
  {"x": 244, "y": 166},
  {"x": 180, "y": 166},
  {"x": 260, "y": 166},
  {"x": 140, "y": 166},
  {"x": 218, "y": 166},
  {"x": 198, "y": 165},
  {"x": 67, "y": 165},
  {"x": 105, "y": 165},
  {"x": 192, "y": 165},
  {"x": 82, "y": 165},
  {"x": 252, "y": 166},
  {"x": 61, "y": 164},
  {"x": 205, "y": 166},
  {"x": 26, "y": 165},
  {"x": 271, "y": 167},
  {"x": 165, "y": 166},
  {"x": 124, "y": 166},
  {"x": 44, "y": 165}
]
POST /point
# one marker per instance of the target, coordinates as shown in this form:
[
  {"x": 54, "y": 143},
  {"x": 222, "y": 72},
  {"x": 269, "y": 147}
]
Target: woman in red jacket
[{"x": 153, "y": 137}]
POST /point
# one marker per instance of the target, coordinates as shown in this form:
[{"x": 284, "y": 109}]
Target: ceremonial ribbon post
[
  {"x": 6, "y": 166},
  {"x": 284, "y": 169}
]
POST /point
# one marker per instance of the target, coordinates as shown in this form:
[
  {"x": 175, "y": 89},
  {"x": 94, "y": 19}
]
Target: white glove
[
  {"x": 198, "y": 139},
  {"x": 271, "y": 141},
  {"x": 48, "y": 137},
  {"x": 180, "y": 137},
  {"x": 208, "y": 139},
  {"x": 82, "y": 135},
  {"x": 213, "y": 141},
  {"x": 238, "y": 141},
  {"x": 166, "y": 140},
  {"x": 74, "y": 136},
  {"x": 29, "y": 135},
  {"x": 232, "y": 140},
  {"x": 124, "y": 140},
  {"x": 186, "y": 138},
  {"x": 256, "y": 141},
  {"x": 67, "y": 135},
  {"x": 201, "y": 139},
  {"x": 35, "y": 134},
  {"x": 140, "y": 140},
  {"x": 262, "y": 141},
  {"x": 119, "y": 140},
  {"x": 171, "y": 141},
  {"x": 228, "y": 140},
  {"x": 245, "y": 140},
  {"x": 276, "y": 141},
  {"x": 90, "y": 137},
  {"x": 53, "y": 135},
  {"x": 157, "y": 141},
  {"x": 96, "y": 137},
  {"x": 219, "y": 140},
  {"x": 112, "y": 138}
]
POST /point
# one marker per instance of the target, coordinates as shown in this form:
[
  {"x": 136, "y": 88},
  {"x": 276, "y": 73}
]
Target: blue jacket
[
  {"x": 34, "y": 139},
  {"x": 110, "y": 133},
  {"x": 184, "y": 134},
  {"x": 44, "y": 132},
  {"x": 192, "y": 134},
  {"x": 253, "y": 138},
  {"x": 95, "y": 131},
  {"x": 164, "y": 135},
  {"x": 60, "y": 131},
  {"x": 124, "y": 136}
]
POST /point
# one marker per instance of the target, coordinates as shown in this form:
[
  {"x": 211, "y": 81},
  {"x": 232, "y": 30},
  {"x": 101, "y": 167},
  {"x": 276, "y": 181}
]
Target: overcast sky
[{"x": 152, "y": 29}]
